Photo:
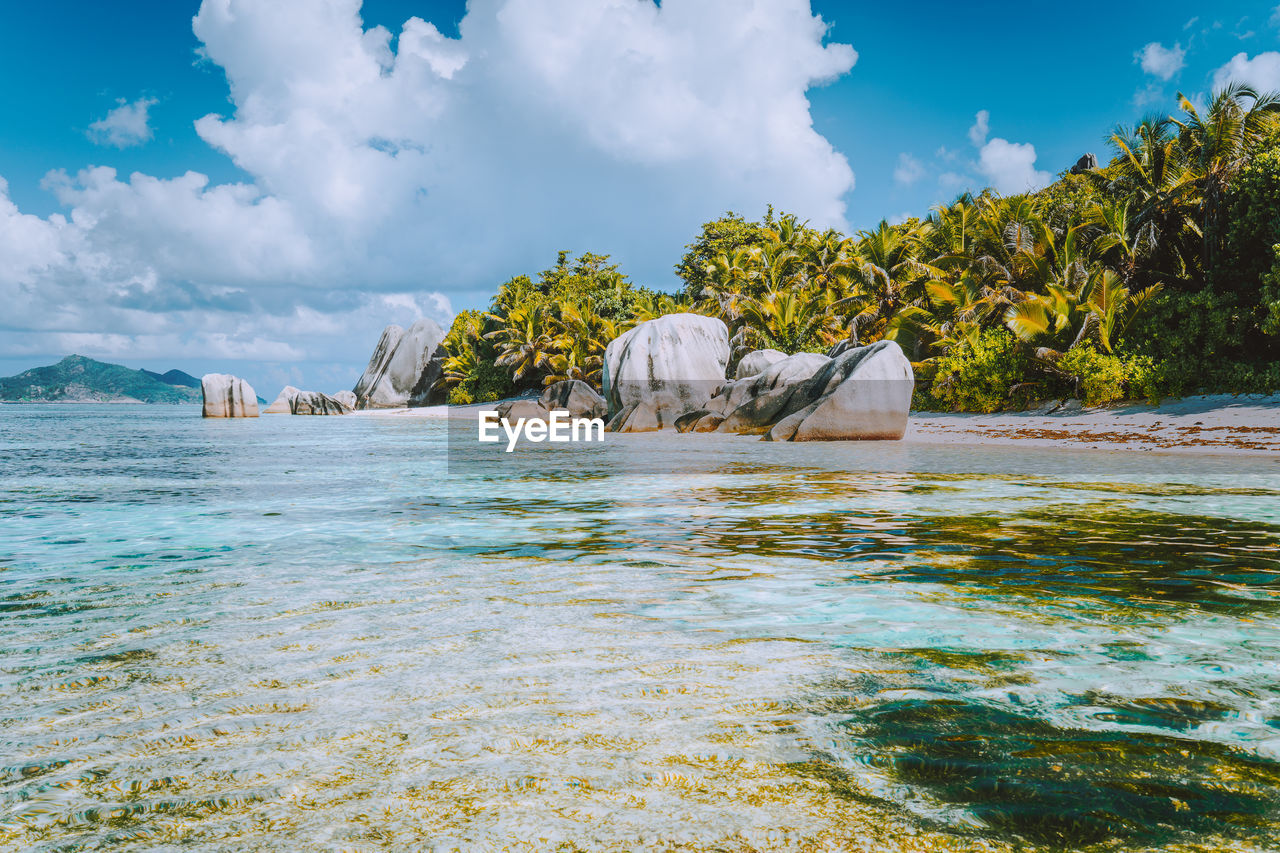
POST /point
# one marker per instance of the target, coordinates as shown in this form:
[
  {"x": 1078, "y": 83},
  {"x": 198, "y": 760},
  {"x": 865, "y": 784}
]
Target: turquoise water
[{"x": 311, "y": 633}]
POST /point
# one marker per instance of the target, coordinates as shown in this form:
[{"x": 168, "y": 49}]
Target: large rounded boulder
[
  {"x": 404, "y": 367},
  {"x": 227, "y": 396},
  {"x": 662, "y": 369},
  {"x": 862, "y": 393}
]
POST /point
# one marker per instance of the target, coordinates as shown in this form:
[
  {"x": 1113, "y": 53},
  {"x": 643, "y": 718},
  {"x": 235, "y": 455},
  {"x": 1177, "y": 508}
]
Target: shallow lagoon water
[{"x": 297, "y": 633}]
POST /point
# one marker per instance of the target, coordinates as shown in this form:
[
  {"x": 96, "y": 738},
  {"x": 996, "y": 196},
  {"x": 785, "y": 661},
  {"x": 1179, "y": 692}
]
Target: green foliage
[
  {"x": 1199, "y": 344},
  {"x": 721, "y": 236},
  {"x": 977, "y": 375},
  {"x": 1101, "y": 378},
  {"x": 1252, "y": 225},
  {"x": 469, "y": 370}
]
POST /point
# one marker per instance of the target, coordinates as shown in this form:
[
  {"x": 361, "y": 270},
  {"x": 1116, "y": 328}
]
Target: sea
[{"x": 343, "y": 633}]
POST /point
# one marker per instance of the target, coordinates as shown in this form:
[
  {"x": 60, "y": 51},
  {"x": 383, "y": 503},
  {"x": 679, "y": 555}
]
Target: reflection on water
[{"x": 305, "y": 633}]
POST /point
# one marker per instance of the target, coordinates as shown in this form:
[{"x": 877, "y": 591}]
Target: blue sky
[{"x": 307, "y": 250}]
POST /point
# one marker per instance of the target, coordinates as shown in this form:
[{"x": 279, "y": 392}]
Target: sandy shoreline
[{"x": 1218, "y": 423}]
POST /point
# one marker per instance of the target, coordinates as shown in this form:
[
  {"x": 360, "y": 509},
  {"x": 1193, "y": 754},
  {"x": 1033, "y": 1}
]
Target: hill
[
  {"x": 174, "y": 377},
  {"x": 77, "y": 379}
]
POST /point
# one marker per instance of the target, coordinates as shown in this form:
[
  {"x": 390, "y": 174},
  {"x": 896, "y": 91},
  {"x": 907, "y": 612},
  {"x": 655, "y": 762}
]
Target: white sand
[{"x": 1208, "y": 424}]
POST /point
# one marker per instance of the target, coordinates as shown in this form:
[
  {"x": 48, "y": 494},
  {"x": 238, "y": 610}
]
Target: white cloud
[
  {"x": 981, "y": 126},
  {"x": 427, "y": 173},
  {"x": 1011, "y": 166},
  {"x": 1262, "y": 72},
  {"x": 124, "y": 126},
  {"x": 908, "y": 171},
  {"x": 1160, "y": 61}
]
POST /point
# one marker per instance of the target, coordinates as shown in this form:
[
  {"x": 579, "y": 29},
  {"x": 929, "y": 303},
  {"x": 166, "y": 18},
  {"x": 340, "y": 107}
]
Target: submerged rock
[
  {"x": 227, "y": 396},
  {"x": 863, "y": 393},
  {"x": 403, "y": 369},
  {"x": 663, "y": 368}
]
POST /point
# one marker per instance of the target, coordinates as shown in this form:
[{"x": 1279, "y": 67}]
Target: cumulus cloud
[
  {"x": 1262, "y": 72},
  {"x": 125, "y": 126},
  {"x": 1160, "y": 61},
  {"x": 908, "y": 171},
  {"x": 425, "y": 169},
  {"x": 1008, "y": 167},
  {"x": 981, "y": 126},
  {"x": 1011, "y": 166}
]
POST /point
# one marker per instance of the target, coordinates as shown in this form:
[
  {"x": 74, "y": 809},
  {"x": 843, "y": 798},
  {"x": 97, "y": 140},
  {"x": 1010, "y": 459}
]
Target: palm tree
[
  {"x": 827, "y": 263},
  {"x": 522, "y": 343},
  {"x": 889, "y": 276},
  {"x": 659, "y": 305},
  {"x": 1153, "y": 170},
  {"x": 730, "y": 275},
  {"x": 1221, "y": 142},
  {"x": 789, "y": 319},
  {"x": 1101, "y": 309}
]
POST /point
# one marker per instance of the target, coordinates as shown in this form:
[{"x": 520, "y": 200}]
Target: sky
[{"x": 257, "y": 187}]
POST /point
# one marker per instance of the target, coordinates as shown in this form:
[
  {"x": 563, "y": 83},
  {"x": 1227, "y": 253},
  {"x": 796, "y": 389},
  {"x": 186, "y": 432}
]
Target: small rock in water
[{"x": 292, "y": 401}]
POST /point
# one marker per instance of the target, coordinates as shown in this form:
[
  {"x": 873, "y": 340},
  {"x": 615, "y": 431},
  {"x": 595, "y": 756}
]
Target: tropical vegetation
[{"x": 1155, "y": 274}]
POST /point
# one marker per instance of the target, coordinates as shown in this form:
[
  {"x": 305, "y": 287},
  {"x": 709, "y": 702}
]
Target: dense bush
[
  {"x": 1101, "y": 378},
  {"x": 976, "y": 375}
]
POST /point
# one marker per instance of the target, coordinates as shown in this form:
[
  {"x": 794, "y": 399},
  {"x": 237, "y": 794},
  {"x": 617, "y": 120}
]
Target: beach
[{"x": 1206, "y": 424}]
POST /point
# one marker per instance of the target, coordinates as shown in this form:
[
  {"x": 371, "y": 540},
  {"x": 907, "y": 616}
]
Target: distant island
[{"x": 77, "y": 379}]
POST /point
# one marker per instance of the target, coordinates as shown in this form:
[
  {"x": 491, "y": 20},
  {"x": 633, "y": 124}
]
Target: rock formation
[
  {"x": 346, "y": 398},
  {"x": 663, "y": 368},
  {"x": 227, "y": 396},
  {"x": 863, "y": 393},
  {"x": 757, "y": 361},
  {"x": 315, "y": 403},
  {"x": 1086, "y": 163},
  {"x": 403, "y": 368},
  {"x": 576, "y": 397},
  {"x": 283, "y": 403},
  {"x": 293, "y": 401}
]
